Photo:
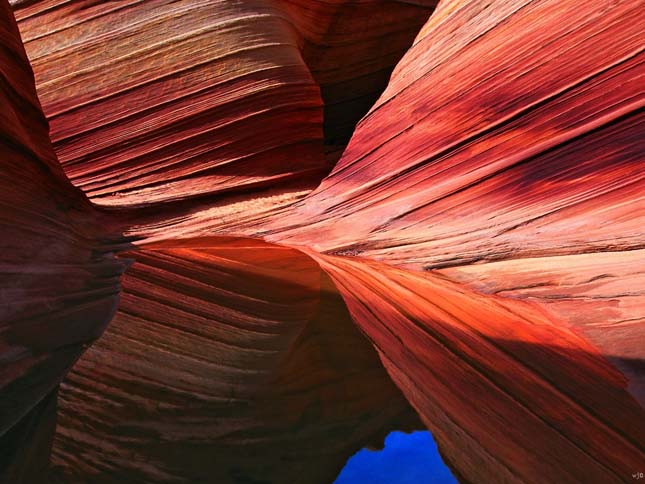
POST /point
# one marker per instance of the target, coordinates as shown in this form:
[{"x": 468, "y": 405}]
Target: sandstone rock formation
[
  {"x": 59, "y": 280},
  {"x": 472, "y": 260}
]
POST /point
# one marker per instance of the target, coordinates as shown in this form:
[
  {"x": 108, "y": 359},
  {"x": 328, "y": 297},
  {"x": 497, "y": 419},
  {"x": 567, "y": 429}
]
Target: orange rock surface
[
  {"x": 229, "y": 360},
  {"x": 497, "y": 381},
  {"x": 470, "y": 259}
]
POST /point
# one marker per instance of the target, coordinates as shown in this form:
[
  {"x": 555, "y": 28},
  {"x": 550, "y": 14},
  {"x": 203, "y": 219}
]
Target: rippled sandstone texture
[
  {"x": 59, "y": 281},
  {"x": 473, "y": 262}
]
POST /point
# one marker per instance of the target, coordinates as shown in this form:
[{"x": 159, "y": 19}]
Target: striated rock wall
[
  {"x": 59, "y": 281},
  {"x": 158, "y": 101},
  {"x": 472, "y": 263},
  {"x": 509, "y": 394},
  {"x": 229, "y": 360}
]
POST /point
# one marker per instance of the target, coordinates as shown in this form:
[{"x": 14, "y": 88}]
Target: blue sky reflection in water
[{"x": 406, "y": 459}]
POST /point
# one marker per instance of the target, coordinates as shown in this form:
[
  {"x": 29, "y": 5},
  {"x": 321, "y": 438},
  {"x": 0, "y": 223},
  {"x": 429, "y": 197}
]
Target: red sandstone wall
[{"x": 475, "y": 256}]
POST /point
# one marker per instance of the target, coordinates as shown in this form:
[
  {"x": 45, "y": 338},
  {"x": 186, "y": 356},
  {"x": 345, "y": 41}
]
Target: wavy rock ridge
[{"x": 470, "y": 262}]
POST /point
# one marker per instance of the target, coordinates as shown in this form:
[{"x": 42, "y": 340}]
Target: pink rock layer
[{"x": 473, "y": 263}]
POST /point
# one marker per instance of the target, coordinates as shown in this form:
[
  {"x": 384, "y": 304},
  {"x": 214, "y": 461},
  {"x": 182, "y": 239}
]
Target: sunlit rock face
[
  {"x": 157, "y": 101},
  {"x": 506, "y": 154},
  {"x": 507, "y": 391},
  {"x": 503, "y": 133},
  {"x": 161, "y": 101},
  {"x": 470, "y": 262}
]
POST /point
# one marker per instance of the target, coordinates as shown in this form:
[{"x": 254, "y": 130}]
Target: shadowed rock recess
[{"x": 241, "y": 240}]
